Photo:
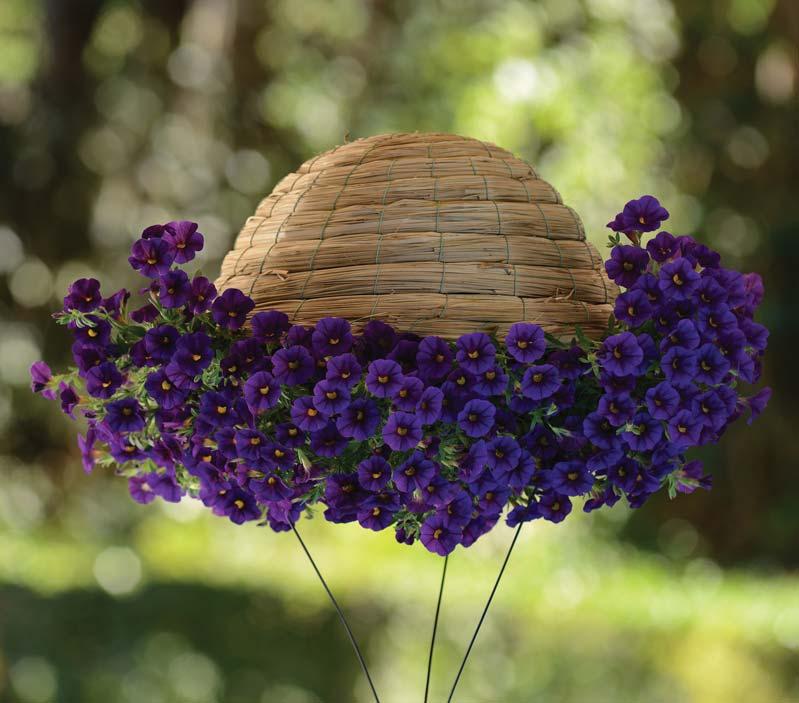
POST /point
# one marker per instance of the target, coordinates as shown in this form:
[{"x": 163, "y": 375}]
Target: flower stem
[{"x": 435, "y": 629}]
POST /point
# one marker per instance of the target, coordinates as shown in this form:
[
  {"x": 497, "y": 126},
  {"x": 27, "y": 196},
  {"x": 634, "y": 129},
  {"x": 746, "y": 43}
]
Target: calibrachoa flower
[{"x": 434, "y": 438}]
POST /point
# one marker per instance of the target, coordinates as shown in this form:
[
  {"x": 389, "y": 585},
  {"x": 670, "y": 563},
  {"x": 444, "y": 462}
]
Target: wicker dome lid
[{"x": 432, "y": 233}]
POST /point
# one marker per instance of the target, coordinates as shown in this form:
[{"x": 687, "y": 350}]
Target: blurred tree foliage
[{"x": 115, "y": 114}]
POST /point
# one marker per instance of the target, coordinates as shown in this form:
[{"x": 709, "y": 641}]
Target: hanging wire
[
  {"x": 485, "y": 610},
  {"x": 435, "y": 629},
  {"x": 340, "y": 612}
]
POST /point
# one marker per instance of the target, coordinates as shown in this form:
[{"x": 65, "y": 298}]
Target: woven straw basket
[{"x": 432, "y": 233}]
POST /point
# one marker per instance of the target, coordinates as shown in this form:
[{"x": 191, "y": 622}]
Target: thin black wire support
[
  {"x": 485, "y": 610},
  {"x": 435, "y": 629},
  {"x": 341, "y": 616}
]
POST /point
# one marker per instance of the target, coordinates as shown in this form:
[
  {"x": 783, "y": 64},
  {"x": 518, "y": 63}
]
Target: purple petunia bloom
[
  {"x": 600, "y": 432},
  {"x": 239, "y": 506},
  {"x": 86, "y": 446},
  {"x": 617, "y": 408},
  {"x": 293, "y": 366},
  {"x": 69, "y": 399},
  {"x": 202, "y": 295},
  {"x": 230, "y": 309},
  {"x": 475, "y": 352},
  {"x": 570, "y": 478},
  {"x": 251, "y": 448},
  {"x": 331, "y": 336},
  {"x": 96, "y": 334},
  {"x": 408, "y": 394},
  {"x": 270, "y": 326},
  {"x": 359, "y": 419},
  {"x": 662, "y": 247},
  {"x": 402, "y": 431},
  {"x": 124, "y": 415},
  {"x": 103, "y": 380},
  {"x": 141, "y": 489},
  {"x": 41, "y": 376},
  {"x": 270, "y": 489},
  {"x": 554, "y": 507},
  {"x": 540, "y": 382},
  {"x": 383, "y": 378},
  {"x": 476, "y": 418},
  {"x": 330, "y": 397},
  {"x": 494, "y": 381},
  {"x": 306, "y": 416},
  {"x": 633, "y": 308},
  {"x": 684, "y": 429},
  {"x": 757, "y": 403},
  {"x": 428, "y": 409},
  {"x": 174, "y": 289},
  {"x": 642, "y": 215},
  {"x": 433, "y": 358},
  {"x": 626, "y": 264},
  {"x": 164, "y": 391},
  {"x": 683, "y": 334},
  {"x": 218, "y": 409},
  {"x": 525, "y": 342},
  {"x": 711, "y": 366},
  {"x": 83, "y": 295},
  {"x": 261, "y": 392},
  {"x": 678, "y": 280},
  {"x": 328, "y": 441},
  {"x": 151, "y": 257},
  {"x": 193, "y": 353},
  {"x": 439, "y": 537},
  {"x": 184, "y": 238},
  {"x": 415, "y": 473},
  {"x": 621, "y": 355},
  {"x": 374, "y": 473},
  {"x": 344, "y": 369},
  {"x": 502, "y": 456},
  {"x": 662, "y": 401},
  {"x": 711, "y": 409},
  {"x": 679, "y": 365},
  {"x": 161, "y": 342},
  {"x": 643, "y": 434}
]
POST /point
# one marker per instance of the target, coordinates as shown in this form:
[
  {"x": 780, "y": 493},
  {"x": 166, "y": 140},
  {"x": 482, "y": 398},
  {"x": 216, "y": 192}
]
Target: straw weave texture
[{"x": 432, "y": 233}]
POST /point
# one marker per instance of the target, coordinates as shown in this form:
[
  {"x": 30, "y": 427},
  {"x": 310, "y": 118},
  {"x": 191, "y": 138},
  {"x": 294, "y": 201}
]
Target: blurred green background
[{"x": 116, "y": 114}]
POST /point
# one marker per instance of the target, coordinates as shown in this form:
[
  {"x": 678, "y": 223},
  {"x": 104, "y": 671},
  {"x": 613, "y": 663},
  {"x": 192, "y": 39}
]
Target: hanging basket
[{"x": 432, "y": 233}]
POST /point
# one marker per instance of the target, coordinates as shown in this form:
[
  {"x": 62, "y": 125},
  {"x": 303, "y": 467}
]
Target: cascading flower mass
[{"x": 191, "y": 395}]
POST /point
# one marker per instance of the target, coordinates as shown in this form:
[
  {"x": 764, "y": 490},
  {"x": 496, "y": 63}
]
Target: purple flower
[
  {"x": 97, "y": 333},
  {"x": 88, "y": 357},
  {"x": 270, "y": 326},
  {"x": 678, "y": 280},
  {"x": 599, "y": 431},
  {"x": 377, "y": 511},
  {"x": 757, "y": 403},
  {"x": 144, "y": 314},
  {"x": 240, "y": 507},
  {"x": 251, "y": 448},
  {"x": 662, "y": 247},
  {"x": 41, "y": 376},
  {"x": 633, "y": 308},
  {"x": 502, "y": 456},
  {"x": 540, "y": 382},
  {"x": 359, "y": 419},
  {"x": 330, "y": 397},
  {"x": 621, "y": 354},
  {"x": 124, "y": 415},
  {"x": 103, "y": 380},
  {"x": 408, "y": 394},
  {"x": 383, "y": 378},
  {"x": 433, "y": 358},
  {"x": 428, "y": 409},
  {"x": 261, "y": 391},
  {"x": 554, "y": 507},
  {"x": 711, "y": 409},
  {"x": 164, "y": 391},
  {"x": 717, "y": 321},
  {"x": 345, "y": 369},
  {"x": 230, "y": 309},
  {"x": 86, "y": 446},
  {"x": 439, "y": 537},
  {"x": 626, "y": 264},
  {"x": 491, "y": 382},
  {"x": 642, "y": 215},
  {"x": 306, "y": 416},
  {"x": 684, "y": 429},
  {"x": 475, "y": 352},
  {"x": 289, "y": 434},
  {"x": 328, "y": 441},
  {"x": 161, "y": 342},
  {"x": 193, "y": 353},
  {"x": 83, "y": 295},
  {"x": 679, "y": 365},
  {"x": 202, "y": 295},
  {"x": 378, "y": 339},
  {"x": 476, "y": 418},
  {"x": 69, "y": 399},
  {"x": 293, "y": 366},
  {"x": 151, "y": 257},
  {"x": 217, "y": 409},
  {"x": 525, "y": 342},
  {"x": 662, "y": 401},
  {"x": 331, "y": 336},
  {"x": 184, "y": 238},
  {"x": 374, "y": 473},
  {"x": 711, "y": 366},
  {"x": 617, "y": 408},
  {"x": 643, "y": 434},
  {"x": 174, "y": 289},
  {"x": 402, "y": 431},
  {"x": 141, "y": 489},
  {"x": 570, "y": 478},
  {"x": 270, "y": 489}
]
